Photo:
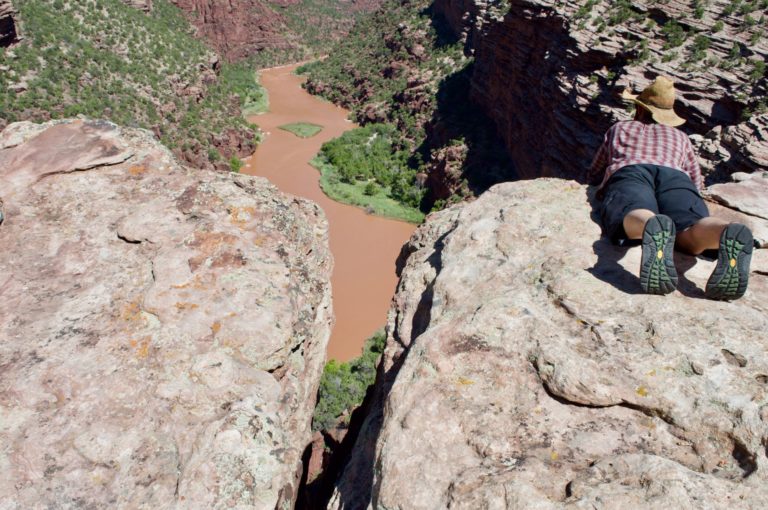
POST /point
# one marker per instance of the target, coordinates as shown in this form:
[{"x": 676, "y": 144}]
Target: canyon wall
[
  {"x": 524, "y": 368},
  {"x": 549, "y": 74},
  {"x": 238, "y": 28},
  {"x": 164, "y": 329},
  {"x": 288, "y": 30},
  {"x": 9, "y": 32}
]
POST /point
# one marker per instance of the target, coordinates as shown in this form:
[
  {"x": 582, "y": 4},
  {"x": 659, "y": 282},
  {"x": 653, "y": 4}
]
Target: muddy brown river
[{"x": 364, "y": 247}]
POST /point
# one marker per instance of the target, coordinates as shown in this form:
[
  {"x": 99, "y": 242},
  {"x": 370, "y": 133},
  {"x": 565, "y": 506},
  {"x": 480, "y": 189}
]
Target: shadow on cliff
[
  {"x": 609, "y": 269},
  {"x": 445, "y": 36},
  {"x": 462, "y": 148}
]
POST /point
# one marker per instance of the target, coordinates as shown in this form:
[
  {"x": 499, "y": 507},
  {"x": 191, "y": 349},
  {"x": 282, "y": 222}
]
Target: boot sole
[
  {"x": 657, "y": 267},
  {"x": 731, "y": 274}
]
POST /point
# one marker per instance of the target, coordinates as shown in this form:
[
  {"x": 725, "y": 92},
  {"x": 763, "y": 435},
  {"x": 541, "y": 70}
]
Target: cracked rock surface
[
  {"x": 524, "y": 369},
  {"x": 163, "y": 329}
]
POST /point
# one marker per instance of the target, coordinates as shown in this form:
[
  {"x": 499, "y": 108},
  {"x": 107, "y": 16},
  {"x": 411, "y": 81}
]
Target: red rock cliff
[
  {"x": 237, "y": 28},
  {"x": 242, "y": 28}
]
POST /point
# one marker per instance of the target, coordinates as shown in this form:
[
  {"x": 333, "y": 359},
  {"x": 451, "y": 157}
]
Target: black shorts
[{"x": 657, "y": 188}]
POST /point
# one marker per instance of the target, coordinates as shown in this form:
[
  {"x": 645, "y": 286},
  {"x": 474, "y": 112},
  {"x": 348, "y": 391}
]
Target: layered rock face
[
  {"x": 524, "y": 369},
  {"x": 549, "y": 74},
  {"x": 9, "y": 33},
  {"x": 237, "y": 28},
  {"x": 164, "y": 329}
]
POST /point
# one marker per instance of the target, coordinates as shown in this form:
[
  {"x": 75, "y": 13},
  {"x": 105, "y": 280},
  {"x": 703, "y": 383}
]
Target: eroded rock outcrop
[
  {"x": 524, "y": 369},
  {"x": 164, "y": 329},
  {"x": 9, "y": 32},
  {"x": 549, "y": 73},
  {"x": 142, "y": 5}
]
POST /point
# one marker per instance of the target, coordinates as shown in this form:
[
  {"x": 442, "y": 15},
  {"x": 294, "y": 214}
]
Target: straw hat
[{"x": 658, "y": 98}]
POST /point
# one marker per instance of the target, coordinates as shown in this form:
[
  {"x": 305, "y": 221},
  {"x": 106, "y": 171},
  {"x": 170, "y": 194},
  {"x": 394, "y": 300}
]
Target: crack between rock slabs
[
  {"x": 647, "y": 411},
  {"x": 725, "y": 203},
  {"x": 129, "y": 241},
  {"x": 83, "y": 169},
  {"x": 746, "y": 460},
  {"x": 280, "y": 370}
]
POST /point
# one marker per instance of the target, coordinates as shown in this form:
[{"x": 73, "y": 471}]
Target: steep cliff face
[
  {"x": 524, "y": 369},
  {"x": 238, "y": 28},
  {"x": 9, "y": 33},
  {"x": 288, "y": 30},
  {"x": 164, "y": 329},
  {"x": 549, "y": 73}
]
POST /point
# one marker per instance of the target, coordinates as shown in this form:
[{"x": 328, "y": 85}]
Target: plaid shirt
[{"x": 631, "y": 142}]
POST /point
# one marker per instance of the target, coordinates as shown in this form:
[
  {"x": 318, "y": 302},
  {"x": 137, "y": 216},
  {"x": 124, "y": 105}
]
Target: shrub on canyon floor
[
  {"x": 365, "y": 167},
  {"x": 343, "y": 384}
]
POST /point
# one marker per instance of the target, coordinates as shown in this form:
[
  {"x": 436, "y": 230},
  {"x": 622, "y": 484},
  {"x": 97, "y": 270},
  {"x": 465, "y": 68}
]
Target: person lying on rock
[{"x": 650, "y": 190}]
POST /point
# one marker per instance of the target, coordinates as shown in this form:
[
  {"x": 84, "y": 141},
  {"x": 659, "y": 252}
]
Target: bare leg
[
  {"x": 634, "y": 222},
  {"x": 702, "y": 235}
]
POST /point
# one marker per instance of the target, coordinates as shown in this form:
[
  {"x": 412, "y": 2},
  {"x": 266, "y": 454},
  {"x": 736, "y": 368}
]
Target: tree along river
[{"x": 364, "y": 247}]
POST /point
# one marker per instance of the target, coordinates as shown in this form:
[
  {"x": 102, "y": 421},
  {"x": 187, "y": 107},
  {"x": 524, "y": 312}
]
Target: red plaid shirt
[{"x": 631, "y": 142}]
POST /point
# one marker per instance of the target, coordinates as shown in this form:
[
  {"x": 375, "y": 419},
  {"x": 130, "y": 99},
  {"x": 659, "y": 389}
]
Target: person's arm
[
  {"x": 691, "y": 166},
  {"x": 599, "y": 162}
]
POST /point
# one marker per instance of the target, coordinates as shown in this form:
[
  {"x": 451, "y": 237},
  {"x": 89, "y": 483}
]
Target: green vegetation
[
  {"x": 366, "y": 194},
  {"x": 364, "y": 167},
  {"x": 302, "y": 129},
  {"x": 343, "y": 385},
  {"x": 103, "y": 59},
  {"x": 417, "y": 79},
  {"x": 255, "y": 98},
  {"x": 758, "y": 70},
  {"x": 674, "y": 34},
  {"x": 236, "y": 164}
]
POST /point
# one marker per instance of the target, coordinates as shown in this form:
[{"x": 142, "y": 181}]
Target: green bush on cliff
[{"x": 343, "y": 385}]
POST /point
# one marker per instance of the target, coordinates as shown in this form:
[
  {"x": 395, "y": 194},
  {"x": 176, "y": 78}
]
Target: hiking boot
[
  {"x": 657, "y": 266},
  {"x": 731, "y": 275}
]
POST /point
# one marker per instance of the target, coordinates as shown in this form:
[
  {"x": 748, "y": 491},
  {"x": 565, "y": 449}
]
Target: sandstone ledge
[
  {"x": 163, "y": 329},
  {"x": 524, "y": 369}
]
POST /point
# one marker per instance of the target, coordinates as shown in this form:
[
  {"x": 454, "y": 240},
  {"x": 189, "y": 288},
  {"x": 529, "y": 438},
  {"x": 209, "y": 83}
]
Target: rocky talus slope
[
  {"x": 549, "y": 74},
  {"x": 524, "y": 369},
  {"x": 164, "y": 329}
]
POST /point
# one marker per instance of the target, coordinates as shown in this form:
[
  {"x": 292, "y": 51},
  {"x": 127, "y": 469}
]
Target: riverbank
[
  {"x": 372, "y": 200},
  {"x": 364, "y": 246}
]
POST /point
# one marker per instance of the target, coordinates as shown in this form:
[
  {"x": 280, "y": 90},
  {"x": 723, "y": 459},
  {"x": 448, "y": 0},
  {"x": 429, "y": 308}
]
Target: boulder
[
  {"x": 142, "y": 5},
  {"x": 524, "y": 368},
  {"x": 749, "y": 196},
  {"x": 164, "y": 329}
]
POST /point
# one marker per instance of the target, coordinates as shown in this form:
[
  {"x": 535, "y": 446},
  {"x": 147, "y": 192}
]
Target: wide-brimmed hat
[{"x": 659, "y": 99}]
